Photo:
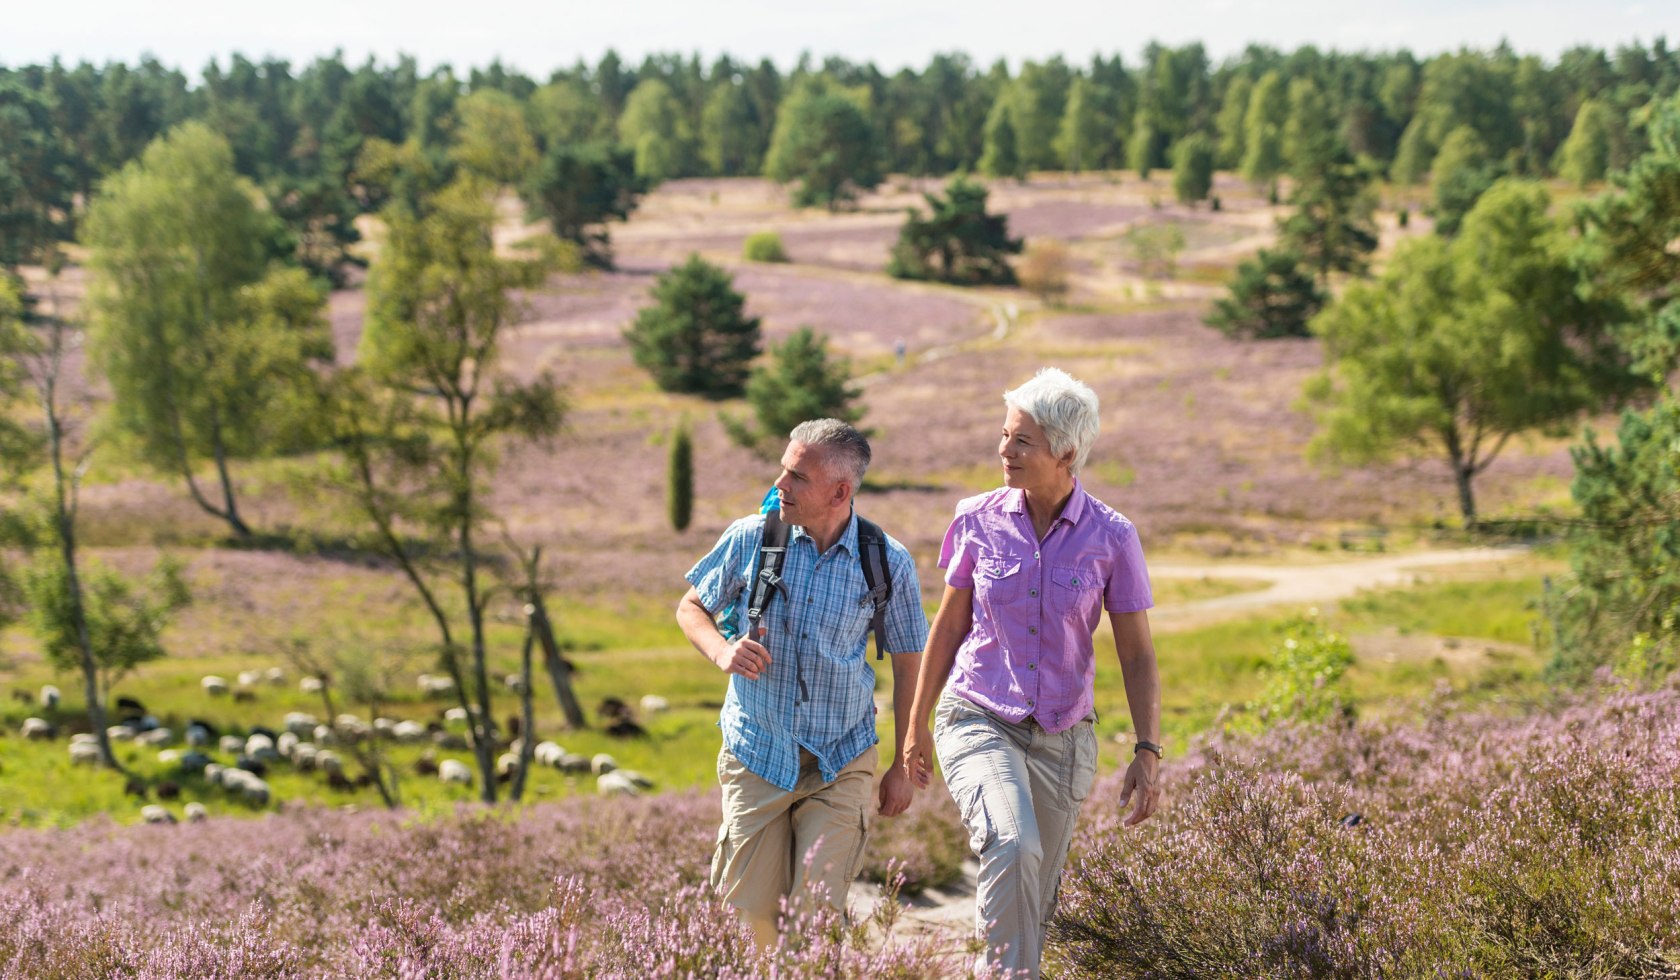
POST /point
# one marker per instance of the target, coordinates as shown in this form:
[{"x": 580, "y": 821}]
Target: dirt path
[{"x": 1307, "y": 584}]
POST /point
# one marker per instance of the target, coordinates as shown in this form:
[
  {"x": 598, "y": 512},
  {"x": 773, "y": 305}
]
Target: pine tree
[
  {"x": 680, "y": 494},
  {"x": 696, "y": 337},
  {"x": 1272, "y": 296},
  {"x": 957, "y": 242}
]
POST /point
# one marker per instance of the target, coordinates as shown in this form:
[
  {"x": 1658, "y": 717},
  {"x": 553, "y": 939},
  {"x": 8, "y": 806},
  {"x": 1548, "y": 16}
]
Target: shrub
[
  {"x": 800, "y": 383},
  {"x": 696, "y": 337},
  {"x": 1155, "y": 248},
  {"x": 1303, "y": 674},
  {"x": 958, "y": 242},
  {"x": 680, "y": 495},
  {"x": 764, "y": 246},
  {"x": 1044, "y": 270},
  {"x": 1272, "y": 296}
]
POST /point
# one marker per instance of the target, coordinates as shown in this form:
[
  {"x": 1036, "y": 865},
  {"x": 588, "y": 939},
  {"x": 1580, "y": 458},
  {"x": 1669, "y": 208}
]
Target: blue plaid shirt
[{"x": 819, "y": 692}]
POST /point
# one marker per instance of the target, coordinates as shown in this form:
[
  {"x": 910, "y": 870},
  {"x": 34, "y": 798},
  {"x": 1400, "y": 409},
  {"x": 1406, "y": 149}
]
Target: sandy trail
[{"x": 1307, "y": 584}]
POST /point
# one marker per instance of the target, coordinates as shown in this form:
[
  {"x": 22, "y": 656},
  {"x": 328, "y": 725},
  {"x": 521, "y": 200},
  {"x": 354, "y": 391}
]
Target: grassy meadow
[{"x": 1202, "y": 446}]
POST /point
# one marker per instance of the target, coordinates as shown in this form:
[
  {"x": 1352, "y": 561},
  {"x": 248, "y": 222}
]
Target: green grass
[{"x": 627, "y": 647}]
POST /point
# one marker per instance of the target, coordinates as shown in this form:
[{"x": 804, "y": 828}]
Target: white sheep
[
  {"x": 602, "y": 764},
  {"x": 198, "y": 736},
  {"x": 548, "y": 754},
  {"x": 260, "y": 746},
  {"x": 37, "y": 729},
  {"x": 50, "y": 696},
  {"x": 328, "y": 761},
  {"x": 84, "y": 753},
  {"x": 383, "y": 725},
  {"x": 196, "y": 812},
  {"x": 231, "y": 745},
  {"x": 653, "y": 704},
  {"x": 324, "y": 735},
  {"x": 275, "y": 676},
  {"x": 120, "y": 733},
  {"x": 169, "y": 757},
  {"x": 299, "y": 723},
  {"x": 436, "y": 684},
  {"x": 514, "y": 683},
  {"x": 408, "y": 731},
  {"x": 248, "y": 785},
  {"x": 155, "y": 737},
  {"x": 454, "y": 771},
  {"x": 310, "y": 685},
  {"x": 287, "y": 745},
  {"x": 213, "y": 773},
  {"x": 305, "y": 756},
  {"x": 615, "y": 784},
  {"x": 213, "y": 685},
  {"x": 152, "y": 813},
  {"x": 507, "y": 763},
  {"x": 573, "y": 762},
  {"x": 456, "y": 716},
  {"x": 249, "y": 678}
]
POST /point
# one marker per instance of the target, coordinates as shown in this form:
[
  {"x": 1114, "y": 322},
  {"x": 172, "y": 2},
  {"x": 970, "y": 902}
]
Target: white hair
[
  {"x": 846, "y": 448},
  {"x": 1065, "y": 407}
]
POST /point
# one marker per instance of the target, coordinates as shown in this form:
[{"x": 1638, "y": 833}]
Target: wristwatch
[{"x": 1143, "y": 746}]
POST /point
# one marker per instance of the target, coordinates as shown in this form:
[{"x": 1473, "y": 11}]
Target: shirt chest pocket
[
  {"x": 1074, "y": 592},
  {"x": 998, "y": 580}
]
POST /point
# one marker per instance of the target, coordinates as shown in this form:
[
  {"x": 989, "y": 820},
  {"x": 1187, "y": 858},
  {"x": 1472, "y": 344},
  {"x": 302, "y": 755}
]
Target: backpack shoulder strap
[
  {"x": 877, "y": 574},
  {"x": 772, "y": 548}
]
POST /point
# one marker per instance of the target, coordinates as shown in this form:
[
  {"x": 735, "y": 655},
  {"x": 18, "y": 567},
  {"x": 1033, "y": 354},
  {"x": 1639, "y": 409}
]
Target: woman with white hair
[{"x": 1029, "y": 569}]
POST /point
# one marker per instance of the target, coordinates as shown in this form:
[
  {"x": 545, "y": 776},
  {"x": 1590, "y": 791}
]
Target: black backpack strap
[
  {"x": 877, "y": 574},
  {"x": 772, "y": 548}
]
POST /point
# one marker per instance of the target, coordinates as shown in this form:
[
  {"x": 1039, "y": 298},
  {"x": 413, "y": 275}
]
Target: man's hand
[
  {"x": 744, "y": 656},
  {"x": 896, "y": 792},
  {"x": 918, "y": 757},
  {"x": 1141, "y": 779}
]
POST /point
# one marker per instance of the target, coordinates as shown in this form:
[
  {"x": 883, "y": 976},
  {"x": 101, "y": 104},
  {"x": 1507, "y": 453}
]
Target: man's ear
[{"x": 842, "y": 492}]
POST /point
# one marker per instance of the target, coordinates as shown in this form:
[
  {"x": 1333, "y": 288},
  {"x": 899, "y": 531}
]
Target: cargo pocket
[
  {"x": 855, "y": 868},
  {"x": 1084, "y": 769}
]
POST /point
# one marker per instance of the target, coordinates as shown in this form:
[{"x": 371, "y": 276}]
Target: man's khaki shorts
[{"x": 774, "y": 843}]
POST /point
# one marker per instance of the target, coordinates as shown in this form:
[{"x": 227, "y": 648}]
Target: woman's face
[{"x": 1028, "y": 463}]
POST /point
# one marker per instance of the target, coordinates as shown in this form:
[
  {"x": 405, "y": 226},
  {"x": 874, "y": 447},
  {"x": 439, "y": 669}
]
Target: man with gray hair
[{"x": 799, "y": 753}]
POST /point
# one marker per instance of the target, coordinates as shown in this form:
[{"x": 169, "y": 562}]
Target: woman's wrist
[{"x": 1143, "y": 745}]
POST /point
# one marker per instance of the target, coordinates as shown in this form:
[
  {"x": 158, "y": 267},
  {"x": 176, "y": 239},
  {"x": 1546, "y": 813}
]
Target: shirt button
[
  {"x": 1032, "y": 592},
  {"x": 1032, "y": 666},
  {"x": 1029, "y": 702},
  {"x": 805, "y": 636},
  {"x": 1033, "y": 630},
  {"x": 1075, "y": 581},
  {"x": 809, "y": 599}
]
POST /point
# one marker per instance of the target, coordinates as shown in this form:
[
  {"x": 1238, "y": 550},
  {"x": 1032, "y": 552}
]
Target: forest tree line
[{"x": 583, "y": 143}]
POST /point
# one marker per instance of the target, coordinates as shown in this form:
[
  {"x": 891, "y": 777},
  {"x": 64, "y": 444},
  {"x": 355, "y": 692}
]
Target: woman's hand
[
  {"x": 918, "y": 757},
  {"x": 1142, "y": 781}
]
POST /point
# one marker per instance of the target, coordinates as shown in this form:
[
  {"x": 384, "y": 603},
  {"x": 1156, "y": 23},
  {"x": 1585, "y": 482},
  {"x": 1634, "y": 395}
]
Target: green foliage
[
  {"x": 1460, "y": 346},
  {"x": 1462, "y": 172},
  {"x": 1334, "y": 225},
  {"x": 654, "y": 127},
  {"x": 1623, "y": 604},
  {"x": 35, "y": 177},
  {"x": 957, "y": 242},
  {"x": 826, "y": 141},
  {"x": 1231, "y": 124},
  {"x": 493, "y": 139},
  {"x": 1155, "y": 248},
  {"x": 1085, "y": 139},
  {"x": 1303, "y": 675},
  {"x": 801, "y": 382},
  {"x": 208, "y": 348},
  {"x": 1192, "y": 168},
  {"x": 679, "y": 494},
  {"x": 1268, "y": 113},
  {"x": 579, "y": 188},
  {"x": 564, "y": 113},
  {"x": 731, "y": 140},
  {"x": 125, "y": 623},
  {"x": 1308, "y": 132},
  {"x": 1002, "y": 156},
  {"x": 696, "y": 337},
  {"x": 1272, "y": 296},
  {"x": 764, "y": 246},
  {"x": 1585, "y": 156},
  {"x": 1140, "y": 146}
]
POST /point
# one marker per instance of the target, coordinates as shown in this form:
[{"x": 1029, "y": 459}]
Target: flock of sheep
[{"x": 306, "y": 744}]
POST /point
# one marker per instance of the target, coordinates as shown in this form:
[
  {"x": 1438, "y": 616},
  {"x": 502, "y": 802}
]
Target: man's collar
[{"x": 848, "y": 537}]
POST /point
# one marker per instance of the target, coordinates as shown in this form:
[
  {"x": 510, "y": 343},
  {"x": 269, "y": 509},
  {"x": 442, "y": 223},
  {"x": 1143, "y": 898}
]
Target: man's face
[{"x": 806, "y": 486}]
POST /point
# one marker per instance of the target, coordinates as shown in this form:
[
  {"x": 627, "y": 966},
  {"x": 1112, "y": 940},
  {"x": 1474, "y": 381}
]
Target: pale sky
[{"x": 538, "y": 36}]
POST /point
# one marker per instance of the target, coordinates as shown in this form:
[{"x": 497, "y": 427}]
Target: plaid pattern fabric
[{"x": 820, "y": 689}]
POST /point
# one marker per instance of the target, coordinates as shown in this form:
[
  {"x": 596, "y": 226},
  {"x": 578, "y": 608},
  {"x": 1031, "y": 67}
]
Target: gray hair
[
  {"x": 1064, "y": 407},
  {"x": 844, "y": 447}
]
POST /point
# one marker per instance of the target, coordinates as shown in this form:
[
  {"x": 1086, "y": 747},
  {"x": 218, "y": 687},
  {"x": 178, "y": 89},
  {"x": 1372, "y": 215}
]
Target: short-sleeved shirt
[
  {"x": 819, "y": 692},
  {"x": 1036, "y": 604}
]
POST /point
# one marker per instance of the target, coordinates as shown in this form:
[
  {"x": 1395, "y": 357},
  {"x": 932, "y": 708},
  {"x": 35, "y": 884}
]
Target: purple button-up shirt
[{"x": 1037, "y": 603}]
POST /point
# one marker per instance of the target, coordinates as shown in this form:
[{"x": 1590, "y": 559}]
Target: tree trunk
[
  {"x": 527, "y": 724},
  {"x": 559, "y": 671},
  {"x": 230, "y": 509},
  {"x": 1466, "y": 495}
]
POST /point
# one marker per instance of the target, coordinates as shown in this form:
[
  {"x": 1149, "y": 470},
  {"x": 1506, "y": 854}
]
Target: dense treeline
[{"x": 598, "y": 133}]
